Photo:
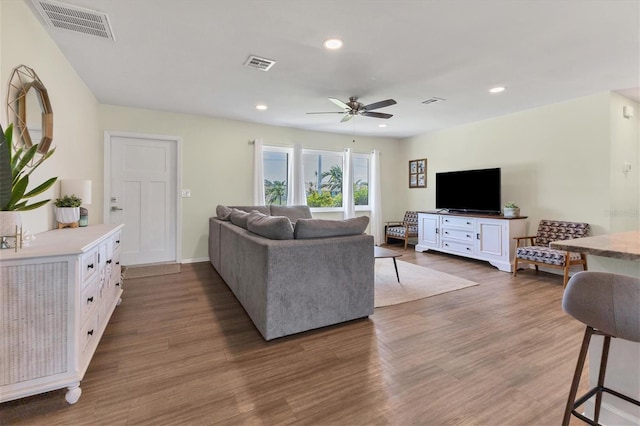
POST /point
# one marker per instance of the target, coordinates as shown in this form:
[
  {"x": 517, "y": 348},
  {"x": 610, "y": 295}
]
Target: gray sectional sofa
[{"x": 292, "y": 273}]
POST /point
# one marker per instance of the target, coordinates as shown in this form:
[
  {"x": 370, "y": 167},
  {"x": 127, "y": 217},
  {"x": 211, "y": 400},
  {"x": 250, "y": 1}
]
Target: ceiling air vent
[
  {"x": 74, "y": 18},
  {"x": 259, "y": 63},
  {"x": 433, "y": 100}
]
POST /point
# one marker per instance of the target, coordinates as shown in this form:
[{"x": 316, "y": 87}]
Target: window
[
  {"x": 276, "y": 175},
  {"x": 361, "y": 181},
  {"x": 323, "y": 178}
]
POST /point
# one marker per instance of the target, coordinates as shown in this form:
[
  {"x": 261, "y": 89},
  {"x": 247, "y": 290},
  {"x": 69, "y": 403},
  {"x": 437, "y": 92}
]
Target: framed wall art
[{"x": 418, "y": 173}]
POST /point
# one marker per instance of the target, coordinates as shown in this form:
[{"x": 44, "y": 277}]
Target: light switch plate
[{"x": 186, "y": 193}]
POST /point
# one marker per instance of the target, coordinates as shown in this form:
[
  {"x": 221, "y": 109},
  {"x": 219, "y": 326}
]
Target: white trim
[
  {"x": 196, "y": 260},
  {"x": 106, "y": 202}
]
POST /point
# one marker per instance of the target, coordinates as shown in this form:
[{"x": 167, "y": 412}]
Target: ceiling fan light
[
  {"x": 332, "y": 43},
  {"x": 261, "y": 107},
  {"x": 496, "y": 89}
]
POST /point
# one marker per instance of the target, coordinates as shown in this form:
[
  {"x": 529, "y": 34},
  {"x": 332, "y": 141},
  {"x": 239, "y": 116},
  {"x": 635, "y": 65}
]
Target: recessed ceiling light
[
  {"x": 332, "y": 43},
  {"x": 382, "y": 125},
  {"x": 496, "y": 89},
  {"x": 261, "y": 107}
]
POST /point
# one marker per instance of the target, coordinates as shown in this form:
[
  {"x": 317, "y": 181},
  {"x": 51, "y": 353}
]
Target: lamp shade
[{"x": 78, "y": 187}]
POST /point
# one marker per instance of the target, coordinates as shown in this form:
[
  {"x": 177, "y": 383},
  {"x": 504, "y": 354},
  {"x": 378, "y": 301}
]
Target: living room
[{"x": 562, "y": 160}]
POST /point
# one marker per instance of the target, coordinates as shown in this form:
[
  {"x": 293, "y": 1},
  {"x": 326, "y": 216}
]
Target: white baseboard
[{"x": 196, "y": 260}]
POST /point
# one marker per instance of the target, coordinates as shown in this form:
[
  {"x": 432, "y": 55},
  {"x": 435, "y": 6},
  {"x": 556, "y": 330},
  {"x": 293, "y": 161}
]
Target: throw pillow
[
  {"x": 223, "y": 212},
  {"x": 272, "y": 227},
  {"x": 322, "y": 228},
  {"x": 292, "y": 212},
  {"x": 239, "y": 218}
]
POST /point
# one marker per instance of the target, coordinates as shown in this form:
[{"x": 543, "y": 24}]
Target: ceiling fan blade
[
  {"x": 376, "y": 114},
  {"x": 346, "y": 118},
  {"x": 380, "y": 104},
  {"x": 328, "y": 112},
  {"x": 340, "y": 103}
]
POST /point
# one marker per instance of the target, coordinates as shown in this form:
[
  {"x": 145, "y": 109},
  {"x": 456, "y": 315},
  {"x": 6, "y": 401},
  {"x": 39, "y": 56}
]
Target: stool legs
[
  {"x": 576, "y": 376},
  {"x": 603, "y": 369}
]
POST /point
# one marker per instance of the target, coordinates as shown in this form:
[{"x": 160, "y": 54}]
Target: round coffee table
[{"x": 382, "y": 253}]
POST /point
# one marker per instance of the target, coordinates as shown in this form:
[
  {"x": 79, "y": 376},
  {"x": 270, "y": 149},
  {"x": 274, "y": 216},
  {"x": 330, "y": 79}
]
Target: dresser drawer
[
  {"x": 457, "y": 234},
  {"x": 457, "y": 222},
  {"x": 89, "y": 298},
  {"x": 458, "y": 247},
  {"x": 115, "y": 241},
  {"x": 88, "y": 266},
  {"x": 88, "y": 332}
]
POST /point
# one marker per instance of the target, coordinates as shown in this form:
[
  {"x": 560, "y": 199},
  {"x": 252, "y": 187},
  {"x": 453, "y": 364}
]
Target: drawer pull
[
  {"x": 90, "y": 299},
  {"x": 90, "y": 266},
  {"x": 109, "y": 262},
  {"x": 468, "y": 223},
  {"x": 117, "y": 263},
  {"x": 468, "y": 248},
  {"x": 477, "y": 236},
  {"x": 118, "y": 284},
  {"x": 90, "y": 332},
  {"x": 117, "y": 241},
  {"x": 468, "y": 236}
]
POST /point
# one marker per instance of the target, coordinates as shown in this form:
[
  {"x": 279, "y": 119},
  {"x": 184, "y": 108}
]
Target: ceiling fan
[{"x": 353, "y": 108}]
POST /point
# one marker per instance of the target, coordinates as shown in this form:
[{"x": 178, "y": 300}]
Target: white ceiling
[{"x": 188, "y": 56}]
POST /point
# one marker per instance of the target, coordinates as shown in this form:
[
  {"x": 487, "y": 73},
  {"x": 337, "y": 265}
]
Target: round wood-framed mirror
[{"x": 29, "y": 109}]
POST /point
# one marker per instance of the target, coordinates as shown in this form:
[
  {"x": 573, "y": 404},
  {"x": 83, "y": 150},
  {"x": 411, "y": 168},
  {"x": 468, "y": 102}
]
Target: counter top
[
  {"x": 625, "y": 245},
  {"x": 60, "y": 242}
]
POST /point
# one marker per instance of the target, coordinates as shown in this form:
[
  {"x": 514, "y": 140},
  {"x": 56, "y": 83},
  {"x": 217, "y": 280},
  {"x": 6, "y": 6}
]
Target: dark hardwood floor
[{"x": 181, "y": 350}]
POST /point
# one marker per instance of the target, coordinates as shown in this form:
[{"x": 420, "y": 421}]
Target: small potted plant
[
  {"x": 511, "y": 209},
  {"x": 68, "y": 210}
]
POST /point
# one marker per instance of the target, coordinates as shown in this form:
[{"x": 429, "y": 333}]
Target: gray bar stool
[{"x": 609, "y": 305}]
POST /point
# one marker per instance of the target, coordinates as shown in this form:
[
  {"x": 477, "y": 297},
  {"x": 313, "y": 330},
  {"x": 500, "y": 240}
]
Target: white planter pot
[
  {"x": 67, "y": 214},
  {"x": 8, "y": 223},
  {"x": 511, "y": 212}
]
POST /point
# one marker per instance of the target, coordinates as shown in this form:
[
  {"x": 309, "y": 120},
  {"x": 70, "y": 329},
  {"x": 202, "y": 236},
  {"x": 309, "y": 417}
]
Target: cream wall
[
  {"x": 76, "y": 136},
  {"x": 560, "y": 161},
  {"x": 217, "y": 161}
]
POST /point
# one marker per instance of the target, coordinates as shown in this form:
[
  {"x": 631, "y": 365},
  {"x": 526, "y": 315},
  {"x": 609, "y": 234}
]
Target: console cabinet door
[
  {"x": 428, "y": 228},
  {"x": 489, "y": 238}
]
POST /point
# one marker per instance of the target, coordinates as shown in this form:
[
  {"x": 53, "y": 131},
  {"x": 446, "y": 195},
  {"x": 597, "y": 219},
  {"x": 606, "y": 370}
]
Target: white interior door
[{"x": 141, "y": 192}]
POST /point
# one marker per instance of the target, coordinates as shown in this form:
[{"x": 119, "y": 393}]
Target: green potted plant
[
  {"x": 15, "y": 171},
  {"x": 68, "y": 209},
  {"x": 511, "y": 209}
]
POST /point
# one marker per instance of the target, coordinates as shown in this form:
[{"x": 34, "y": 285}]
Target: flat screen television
[{"x": 473, "y": 191}]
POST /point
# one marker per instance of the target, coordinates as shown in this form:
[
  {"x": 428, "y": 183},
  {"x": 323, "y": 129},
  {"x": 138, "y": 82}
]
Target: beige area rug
[
  {"x": 416, "y": 282},
  {"x": 152, "y": 270}
]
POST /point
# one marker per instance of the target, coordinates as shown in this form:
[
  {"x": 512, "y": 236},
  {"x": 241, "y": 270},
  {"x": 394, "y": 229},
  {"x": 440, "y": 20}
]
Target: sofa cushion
[
  {"x": 262, "y": 209},
  {"x": 292, "y": 212},
  {"x": 239, "y": 218},
  {"x": 272, "y": 227},
  {"x": 223, "y": 212},
  {"x": 322, "y": 228}
]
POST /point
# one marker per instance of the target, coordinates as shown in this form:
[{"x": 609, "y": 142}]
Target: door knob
[{"x": 115, "y": 209}]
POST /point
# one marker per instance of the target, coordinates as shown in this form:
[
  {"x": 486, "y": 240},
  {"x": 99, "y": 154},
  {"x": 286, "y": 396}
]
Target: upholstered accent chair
[
  {"x": 404, "y": 230},
  {"x": 539, "y": 253}
]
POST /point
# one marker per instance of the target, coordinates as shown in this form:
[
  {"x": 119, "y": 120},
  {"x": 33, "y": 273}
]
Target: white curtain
[
  {"x": 347, "y": 185},
  {"x": 258, "y": 174},
  {"x": 376, "y": 224},
  {"x": 296, "y": 195}
]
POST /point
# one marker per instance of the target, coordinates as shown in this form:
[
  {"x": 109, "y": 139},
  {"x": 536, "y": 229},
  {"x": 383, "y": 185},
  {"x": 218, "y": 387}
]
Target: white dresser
[
  {"x": 56, "y": 298},
  {"x": 482, "y": 237}
]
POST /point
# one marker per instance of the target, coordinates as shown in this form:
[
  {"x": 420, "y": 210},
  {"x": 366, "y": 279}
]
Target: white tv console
[{"x": 482, "y": 237}]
